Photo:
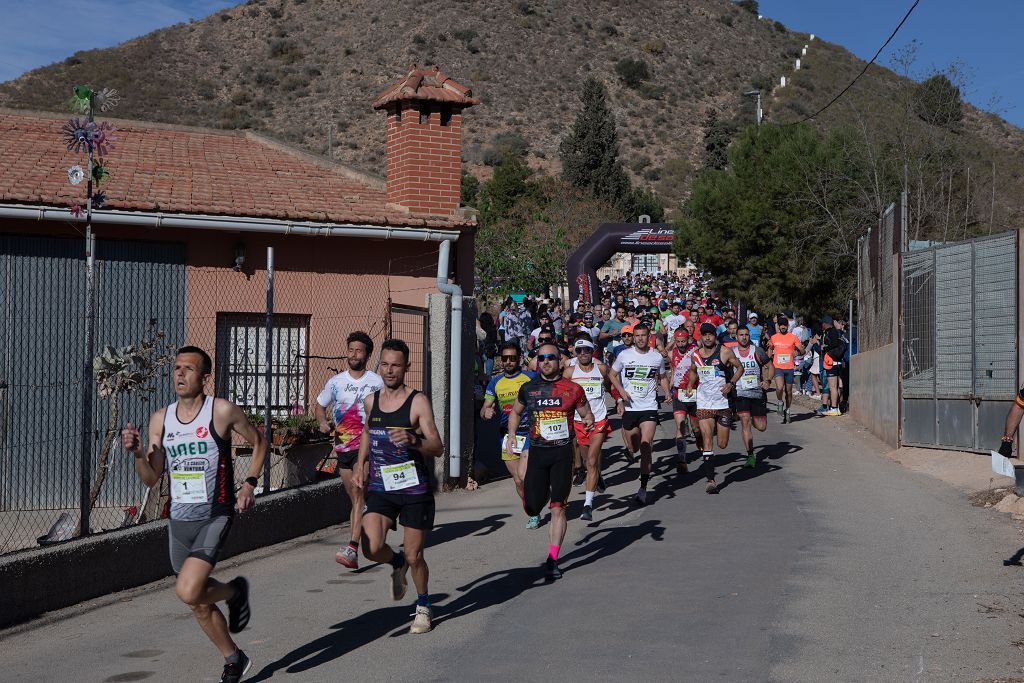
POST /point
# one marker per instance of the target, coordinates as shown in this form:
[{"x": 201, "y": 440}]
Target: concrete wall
[
  {"x": 38, "y": 581},
  {"x": 440, "y": 350},
  {"x": 875, "y": 392}
]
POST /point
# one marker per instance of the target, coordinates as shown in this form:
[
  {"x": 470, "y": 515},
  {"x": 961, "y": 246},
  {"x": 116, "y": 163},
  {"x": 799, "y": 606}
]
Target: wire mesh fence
[
  {"x": 149, "y": 301},
  {"x": 875, "y": 326}
]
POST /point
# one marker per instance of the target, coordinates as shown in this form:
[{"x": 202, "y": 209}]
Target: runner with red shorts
[
  {"x": 552, "y": 402},
  {"x": 592, "y": 376},
  {"x": 684, "y": 400}
]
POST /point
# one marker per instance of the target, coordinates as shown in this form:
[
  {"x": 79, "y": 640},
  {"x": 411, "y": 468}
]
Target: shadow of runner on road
[
  {"x": 344, "y": 637},
  {"x": 490, "y": 590},
  {"x": 602, "y": 543},
  {"x": 773, "y": 451},
  {"x": 450, "y": 531}
]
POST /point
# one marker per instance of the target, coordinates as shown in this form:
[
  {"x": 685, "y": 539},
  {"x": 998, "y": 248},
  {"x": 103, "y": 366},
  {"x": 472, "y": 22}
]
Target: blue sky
[
  {"x": 984, "y": 35},
  {"x": 987, "y": 36},
  {"x": 35, "y": 33}
]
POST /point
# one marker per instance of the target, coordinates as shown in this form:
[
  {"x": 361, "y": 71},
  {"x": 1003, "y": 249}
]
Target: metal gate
[
  {"x": 958, "y": 356},
  {"x": 409, "y": 324}
]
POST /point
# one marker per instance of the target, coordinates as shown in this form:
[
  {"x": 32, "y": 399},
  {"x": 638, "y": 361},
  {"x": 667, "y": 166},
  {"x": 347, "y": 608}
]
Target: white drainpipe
[{"x": 455, "y": 361}]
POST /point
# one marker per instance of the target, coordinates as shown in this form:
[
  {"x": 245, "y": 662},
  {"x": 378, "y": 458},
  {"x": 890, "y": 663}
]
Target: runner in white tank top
[
  {"x": 750, "y": 397},
  {"x": 592, "y": 376},
  {"x": 191, "y": 440},
  {"x": 711, "y": 363}
]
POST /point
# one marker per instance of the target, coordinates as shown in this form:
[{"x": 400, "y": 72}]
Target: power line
[{"x": 864, "y": 70}]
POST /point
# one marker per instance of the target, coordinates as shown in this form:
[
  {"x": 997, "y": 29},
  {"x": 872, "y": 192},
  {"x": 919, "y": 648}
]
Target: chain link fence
[
  {"x": 875, "y": 257},
  {"x": 149, "y": 297}
]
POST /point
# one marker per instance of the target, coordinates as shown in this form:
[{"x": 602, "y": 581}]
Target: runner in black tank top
[{"x": 399, "y": 435}]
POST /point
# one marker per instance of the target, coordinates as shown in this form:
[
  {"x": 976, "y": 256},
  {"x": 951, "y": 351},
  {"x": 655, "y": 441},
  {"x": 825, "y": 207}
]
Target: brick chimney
[{"x": 424, "y": 144}]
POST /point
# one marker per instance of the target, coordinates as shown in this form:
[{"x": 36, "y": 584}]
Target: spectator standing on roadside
[
  {"x": 755, "y": 329},
  {"x": 833, "y": 354}
]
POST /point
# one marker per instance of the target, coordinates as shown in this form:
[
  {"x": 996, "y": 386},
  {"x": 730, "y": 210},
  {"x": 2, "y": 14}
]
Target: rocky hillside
[{"x": 295, "y": 68}]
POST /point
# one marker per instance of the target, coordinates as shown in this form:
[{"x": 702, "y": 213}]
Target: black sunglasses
[
  {"x": 547, "y": 356},
  {"x": 545, "y": 340},
  {"x": 510, "y": 357},
  {"x": 581, "y": 351}
]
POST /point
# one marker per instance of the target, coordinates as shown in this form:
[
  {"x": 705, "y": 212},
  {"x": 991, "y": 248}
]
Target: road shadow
[
  {"x": 450, "y": 531},
  {"x": 489, "y": 591},
  {"x": 344, "y": 637},
  {"x": 737, "y": 471},
  {"x": 602, "y": 543},
  {"x": 1015, "y": 559}
]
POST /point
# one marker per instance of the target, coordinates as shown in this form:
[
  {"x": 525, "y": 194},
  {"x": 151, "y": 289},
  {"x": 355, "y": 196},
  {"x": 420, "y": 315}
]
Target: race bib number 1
[
  {"x": 706, "y": 373},
  {"x": 188, "y": 487},
  {"x": 400, "y": 476}
]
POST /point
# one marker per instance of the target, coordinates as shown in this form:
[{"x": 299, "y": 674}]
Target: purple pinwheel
[
  {"x": 103, "y": 138},
  {"x": 78, "y": 134},
  {"x": 98, "y": 200}
]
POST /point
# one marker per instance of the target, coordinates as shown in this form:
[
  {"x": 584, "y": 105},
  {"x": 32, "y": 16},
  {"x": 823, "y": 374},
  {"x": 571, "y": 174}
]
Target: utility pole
[
  {"x": 758, "y": 112},
  {"x": 330, "y": 130}
]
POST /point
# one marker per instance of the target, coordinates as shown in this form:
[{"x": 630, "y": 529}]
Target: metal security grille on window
[
  {"x": 241, "y": 375},
  {"x": 645, "y": 263}
]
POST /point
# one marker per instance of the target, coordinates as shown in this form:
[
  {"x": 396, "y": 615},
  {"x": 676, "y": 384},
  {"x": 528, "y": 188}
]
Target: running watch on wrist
[{"x": 252, "y": 481}]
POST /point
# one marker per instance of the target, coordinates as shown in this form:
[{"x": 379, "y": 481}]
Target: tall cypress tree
[{"x": 590, "y": 152}]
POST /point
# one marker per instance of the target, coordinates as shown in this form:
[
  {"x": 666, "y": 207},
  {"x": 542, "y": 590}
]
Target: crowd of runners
[{"x": 552, "y": 377}]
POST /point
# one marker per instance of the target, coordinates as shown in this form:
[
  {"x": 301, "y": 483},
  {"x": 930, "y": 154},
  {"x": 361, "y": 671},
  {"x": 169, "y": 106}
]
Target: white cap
[{"x": 752, "y": 315}]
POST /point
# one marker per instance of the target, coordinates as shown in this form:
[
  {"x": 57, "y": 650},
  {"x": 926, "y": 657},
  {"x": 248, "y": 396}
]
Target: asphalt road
[{"x": 828, "y": 563}]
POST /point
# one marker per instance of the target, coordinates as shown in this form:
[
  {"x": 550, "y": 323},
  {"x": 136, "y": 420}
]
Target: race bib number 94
[{"x": 400, "y": 476}]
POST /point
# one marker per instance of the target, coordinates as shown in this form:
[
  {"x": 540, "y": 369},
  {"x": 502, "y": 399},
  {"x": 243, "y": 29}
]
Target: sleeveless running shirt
[
  {"x": 394, "y": 469},
  {"x": 199, "y": 465},
  {"x": 681, "y": 362},
  {"x": 749, "y": 383},
  {"x": 712, "y": 379},
  {"x": 592, "y": 384}
]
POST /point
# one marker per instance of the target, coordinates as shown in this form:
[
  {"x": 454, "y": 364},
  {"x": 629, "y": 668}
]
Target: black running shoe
[
  {"x": 551, "y": 569},
  {"x": 588, "y": 513},
  {"x": 580, "y": 477},
  {"x": 233, "y": 673},
  {"x": 600, "y": 484},
  {"x": 681, "y": 467},
  {"x": 238, "y": 606}
]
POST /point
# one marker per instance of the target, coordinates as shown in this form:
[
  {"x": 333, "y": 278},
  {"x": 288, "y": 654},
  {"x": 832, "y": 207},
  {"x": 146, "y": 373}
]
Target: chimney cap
[{"x": 426, "y": 84}]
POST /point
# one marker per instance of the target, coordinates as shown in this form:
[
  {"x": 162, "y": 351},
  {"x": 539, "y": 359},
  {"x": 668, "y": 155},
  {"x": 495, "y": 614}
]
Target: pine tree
[
  {"x": 590, "y": 152},
  {"x": 717, "y": 136}
]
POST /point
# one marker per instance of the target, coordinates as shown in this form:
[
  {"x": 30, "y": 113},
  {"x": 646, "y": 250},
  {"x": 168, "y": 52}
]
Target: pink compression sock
[{"x": 553, "y": 552}]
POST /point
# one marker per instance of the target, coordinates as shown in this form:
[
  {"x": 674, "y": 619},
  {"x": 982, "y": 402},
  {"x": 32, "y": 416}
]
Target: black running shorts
[
  {"x": 757, "y": 407},
  {"x": 631, "y": 419},
  {"x": 548, "y": 478},
  {"x": 411, "y": 511}
]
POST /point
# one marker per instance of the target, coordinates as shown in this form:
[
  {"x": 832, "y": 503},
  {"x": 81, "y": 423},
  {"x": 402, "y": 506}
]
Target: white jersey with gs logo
[{"x": 639, "y": 373}]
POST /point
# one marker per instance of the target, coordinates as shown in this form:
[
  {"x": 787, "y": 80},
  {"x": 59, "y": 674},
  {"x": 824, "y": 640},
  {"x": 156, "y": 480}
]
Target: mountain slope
[{"x": 292, "y": 68}]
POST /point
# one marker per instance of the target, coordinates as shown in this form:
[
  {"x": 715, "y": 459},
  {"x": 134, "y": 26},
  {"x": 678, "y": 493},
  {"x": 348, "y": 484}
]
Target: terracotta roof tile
[
  {"x": 426, "y": 84},
  {"x": 197, "y": 171}
]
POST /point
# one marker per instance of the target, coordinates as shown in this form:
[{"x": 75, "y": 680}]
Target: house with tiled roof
[{"x": 188, "y": 219}]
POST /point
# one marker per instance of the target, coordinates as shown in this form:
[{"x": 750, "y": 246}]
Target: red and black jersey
[{"x": 552, "y": 407}]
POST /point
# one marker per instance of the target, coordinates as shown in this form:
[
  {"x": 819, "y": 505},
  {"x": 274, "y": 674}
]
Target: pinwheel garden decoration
[{"x": 94, "y": 140}]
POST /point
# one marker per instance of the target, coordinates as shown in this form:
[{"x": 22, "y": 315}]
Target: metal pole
[
  {"x": 85, "y": 471},
  {"x": 759, "y": 112},
  {"x": 269, "y": 356}
]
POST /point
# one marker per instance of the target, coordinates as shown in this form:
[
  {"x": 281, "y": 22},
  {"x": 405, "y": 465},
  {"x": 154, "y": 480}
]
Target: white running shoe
[
  {"x": 640, "y": 497},
  {"x": 424, "y": 620}
]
